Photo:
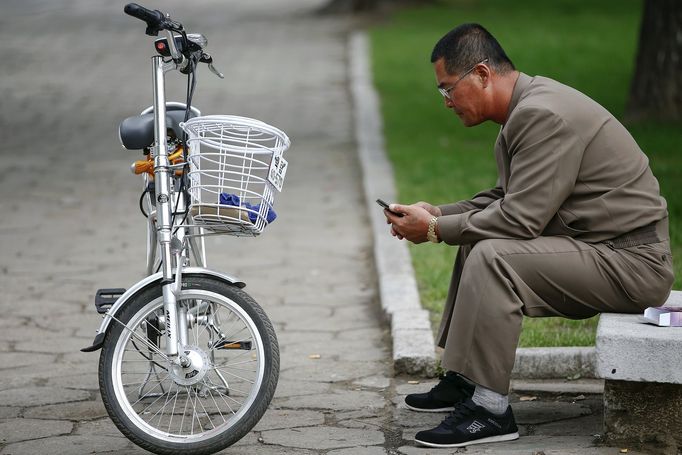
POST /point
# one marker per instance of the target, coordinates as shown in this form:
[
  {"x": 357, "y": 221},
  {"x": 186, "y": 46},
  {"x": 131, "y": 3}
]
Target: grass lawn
[{"x": 588, "y": 45}]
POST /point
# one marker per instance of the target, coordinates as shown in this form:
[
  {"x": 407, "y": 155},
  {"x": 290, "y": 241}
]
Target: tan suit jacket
[
  {"x": 566, "y": 167},
  {"x": 566, "y": 232}
]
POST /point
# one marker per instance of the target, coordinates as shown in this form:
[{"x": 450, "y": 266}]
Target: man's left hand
[{"x": 413, "y": 225}]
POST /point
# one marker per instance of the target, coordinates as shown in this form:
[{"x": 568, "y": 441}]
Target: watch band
[{"x": 431, "y": 233}]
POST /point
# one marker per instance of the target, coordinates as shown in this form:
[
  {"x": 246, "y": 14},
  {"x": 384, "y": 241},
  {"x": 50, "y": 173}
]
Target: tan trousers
[{"x": 495, "y": 282}]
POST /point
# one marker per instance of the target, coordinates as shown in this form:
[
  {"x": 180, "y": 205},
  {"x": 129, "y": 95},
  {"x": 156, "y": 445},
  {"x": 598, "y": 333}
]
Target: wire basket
[{"x": 235, "y": 166}]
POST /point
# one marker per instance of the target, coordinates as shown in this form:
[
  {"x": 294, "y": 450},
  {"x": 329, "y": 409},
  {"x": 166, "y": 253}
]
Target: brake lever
[
  {"x": 215, "y": 71},
  {"x": 206, "y": 58}
]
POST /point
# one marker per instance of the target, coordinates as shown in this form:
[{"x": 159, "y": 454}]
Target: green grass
[{"x": 588, "y": 45}]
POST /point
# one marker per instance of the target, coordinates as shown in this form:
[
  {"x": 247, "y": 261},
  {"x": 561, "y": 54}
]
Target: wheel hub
[{"x": 196, "y": 368}]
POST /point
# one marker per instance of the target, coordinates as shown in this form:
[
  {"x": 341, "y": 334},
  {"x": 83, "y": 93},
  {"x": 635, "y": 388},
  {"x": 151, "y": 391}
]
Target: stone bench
[{"x": 642, "y": 367}]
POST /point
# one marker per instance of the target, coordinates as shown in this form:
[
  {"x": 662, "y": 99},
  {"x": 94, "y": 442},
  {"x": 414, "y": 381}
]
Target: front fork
[{"x": 170, "y": 246}]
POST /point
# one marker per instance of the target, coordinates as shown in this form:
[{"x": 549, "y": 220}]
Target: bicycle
[{"x": 189, "y": 362}]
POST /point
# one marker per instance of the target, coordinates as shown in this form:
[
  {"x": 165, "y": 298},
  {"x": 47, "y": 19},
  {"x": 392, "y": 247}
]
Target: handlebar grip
[{"x": 152, "y": 18}]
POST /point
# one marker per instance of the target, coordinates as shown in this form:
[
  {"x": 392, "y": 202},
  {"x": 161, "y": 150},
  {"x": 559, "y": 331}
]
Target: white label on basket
[{"x": 278, "y": 169}]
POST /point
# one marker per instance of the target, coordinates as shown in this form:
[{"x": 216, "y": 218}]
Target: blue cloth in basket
[{"x": 233, "y": 199}]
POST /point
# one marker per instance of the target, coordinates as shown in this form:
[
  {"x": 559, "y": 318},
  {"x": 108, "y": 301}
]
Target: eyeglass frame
[{"x": 446, "y": 91}]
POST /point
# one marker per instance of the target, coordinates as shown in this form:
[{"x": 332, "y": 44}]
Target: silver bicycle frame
[{"x": 164, "y": 216}]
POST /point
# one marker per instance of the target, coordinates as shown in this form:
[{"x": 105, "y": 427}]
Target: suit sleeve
[
  {"x": 479, "y": 201},
  {"x": 545, "y": 161}
]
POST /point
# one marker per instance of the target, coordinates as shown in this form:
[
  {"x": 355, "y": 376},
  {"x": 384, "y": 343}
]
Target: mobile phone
[{"x": 385, "y": 206}]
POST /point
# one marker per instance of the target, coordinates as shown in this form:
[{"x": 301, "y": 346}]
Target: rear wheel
[{"x": 213, "y": 401}]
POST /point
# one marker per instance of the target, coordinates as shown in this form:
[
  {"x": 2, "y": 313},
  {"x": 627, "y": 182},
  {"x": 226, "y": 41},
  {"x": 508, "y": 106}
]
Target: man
[{"x": 575, "y": 226}]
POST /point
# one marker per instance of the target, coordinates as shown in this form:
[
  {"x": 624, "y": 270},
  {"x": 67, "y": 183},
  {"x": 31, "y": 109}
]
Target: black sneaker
[
  {"x": 451, "y": 389},
  {"x": 470, "y": 424}
]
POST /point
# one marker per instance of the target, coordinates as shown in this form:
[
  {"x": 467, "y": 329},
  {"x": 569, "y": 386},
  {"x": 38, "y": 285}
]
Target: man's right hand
[{"x": 433, "y": 210}]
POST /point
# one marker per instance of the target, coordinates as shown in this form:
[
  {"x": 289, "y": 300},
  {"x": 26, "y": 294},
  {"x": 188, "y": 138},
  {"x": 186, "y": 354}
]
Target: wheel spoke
[
  {"x": 236, "y": 376},
  {"x": 150, "y": 395}
]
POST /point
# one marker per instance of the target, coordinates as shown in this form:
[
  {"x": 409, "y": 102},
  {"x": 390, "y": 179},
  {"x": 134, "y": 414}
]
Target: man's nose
[{"x": 448, "y": 102}]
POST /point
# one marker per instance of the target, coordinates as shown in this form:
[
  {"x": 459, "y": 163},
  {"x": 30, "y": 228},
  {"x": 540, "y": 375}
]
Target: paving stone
[
  {"x": 279, "y": 418},
  {"x": 76, "y": 359},
  {"x": 305, "y": 358},
  {"x": 303, "y": 314},
  {"x": 132, "y": 449},
  {"x": 51, "y": 344},
  {"x": 372, "y": 423},
  {"x": 264, "y": 449},
  {"x": 8, "y": 412},
  {"x": 51, "y": 375},
  {"x": 327, "y": 325},
  {"x": 18, "y": 380},
  {"x": 36, "y": 396},
  {"x": 374, "y": 450},
  {"x": 293, "y": 338},
  {"x": 374, "y": 382},
  {"x": 359, "y": 313},
  {"x": 530, "y": 412},
  {"x": 85, "y": 381},
  {"x": 293, "y": 388},
  {"x": 359, "y": 352},
  {"x": 19, "y": 332},
  {"x": 369, "y": 334},
  {"x": 24, "y": 429},
  {"x": 407, "y": 418},
  {"x": 340, "y": 350},
  {"x": 362, "y": 413},
  {"x": 338, "y": 400},
  {"x": 20, "y": 359},
  {"x": 68, "y": 445},
  {"x": 528, "y": 445},
  {"x": 323, "y": 437},
  {"x": 324, "y": 371},
  {"x": 67, "y": 322},
  {"x": 590, "y": 424},
  {"x": 10, "y": 322},
  {"x": 82, "y": 410},
  {"x": 103, "y": 426}
]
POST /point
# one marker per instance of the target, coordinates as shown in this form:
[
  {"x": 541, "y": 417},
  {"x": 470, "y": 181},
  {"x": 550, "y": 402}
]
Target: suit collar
[{"x": 522, "y": 83}]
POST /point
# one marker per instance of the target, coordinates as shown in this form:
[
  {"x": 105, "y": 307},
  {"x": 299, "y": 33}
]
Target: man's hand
[
  {"x": 432, "y": 209},
  {"x": 414, "y": 223}
]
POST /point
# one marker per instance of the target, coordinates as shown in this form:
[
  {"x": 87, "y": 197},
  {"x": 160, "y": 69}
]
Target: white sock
[{"x": 490, "y": 400}]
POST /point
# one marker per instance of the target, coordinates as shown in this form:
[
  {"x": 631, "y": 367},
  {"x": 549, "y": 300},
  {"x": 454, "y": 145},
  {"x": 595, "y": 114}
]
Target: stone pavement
[{"x": 70, "y": 224}]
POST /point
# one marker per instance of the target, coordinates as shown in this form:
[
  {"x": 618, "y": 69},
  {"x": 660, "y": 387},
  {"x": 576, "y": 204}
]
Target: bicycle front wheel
[{"x": 205, "y": 406}]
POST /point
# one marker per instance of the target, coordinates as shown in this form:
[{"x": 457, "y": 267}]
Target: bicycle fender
[{"x": 143, "y": 284}]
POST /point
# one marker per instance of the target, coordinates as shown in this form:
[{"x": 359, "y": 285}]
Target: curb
[
  {"x": 553, "y": 363},
  {"x": 413, "y": 345}
]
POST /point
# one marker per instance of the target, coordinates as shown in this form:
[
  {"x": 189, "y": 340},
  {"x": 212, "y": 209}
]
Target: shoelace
[
  {"x": 446, "y": 378},
  {"x": 449, "y": 380},
  {"x": 461, "y": 411}
]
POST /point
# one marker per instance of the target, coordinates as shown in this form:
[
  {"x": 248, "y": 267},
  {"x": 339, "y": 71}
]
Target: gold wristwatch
[{"x": 431, "y": 233}]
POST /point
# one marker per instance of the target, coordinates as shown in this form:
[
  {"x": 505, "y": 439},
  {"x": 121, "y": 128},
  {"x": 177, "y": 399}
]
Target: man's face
[{"x": 465, "y": 94}]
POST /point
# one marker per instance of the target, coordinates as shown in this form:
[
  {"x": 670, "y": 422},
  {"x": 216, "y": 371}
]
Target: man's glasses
[{"x": 446, "y": 91}]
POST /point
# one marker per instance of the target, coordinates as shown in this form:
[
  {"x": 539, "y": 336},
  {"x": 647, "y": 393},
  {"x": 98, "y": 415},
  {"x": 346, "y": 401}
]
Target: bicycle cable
[
  {"x": 141, "y": 202},
  {"x": 191, "y": 86}
]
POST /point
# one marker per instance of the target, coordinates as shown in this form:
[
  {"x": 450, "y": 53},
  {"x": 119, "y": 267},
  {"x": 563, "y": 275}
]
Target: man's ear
[{"x": 483, "y": 73}]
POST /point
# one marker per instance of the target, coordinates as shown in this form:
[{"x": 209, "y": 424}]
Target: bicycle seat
[{"x": 137, "y": 132}]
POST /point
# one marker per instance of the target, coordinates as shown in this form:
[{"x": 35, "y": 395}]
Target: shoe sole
[
  {"x": 500, "y": 438},
  {"x": 448, "y": 409}
]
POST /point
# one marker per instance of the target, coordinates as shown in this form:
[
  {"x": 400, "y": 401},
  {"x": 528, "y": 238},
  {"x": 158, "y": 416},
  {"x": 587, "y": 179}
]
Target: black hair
[{"x": 468, "y": 44}]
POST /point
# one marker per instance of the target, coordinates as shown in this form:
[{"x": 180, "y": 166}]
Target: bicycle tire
[{"x": 115, "y": 392}]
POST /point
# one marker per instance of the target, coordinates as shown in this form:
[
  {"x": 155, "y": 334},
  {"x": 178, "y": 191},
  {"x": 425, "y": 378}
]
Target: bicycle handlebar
[{"x": 155, "y": 19}]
